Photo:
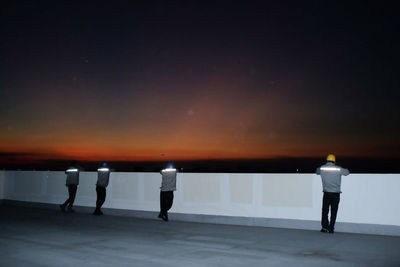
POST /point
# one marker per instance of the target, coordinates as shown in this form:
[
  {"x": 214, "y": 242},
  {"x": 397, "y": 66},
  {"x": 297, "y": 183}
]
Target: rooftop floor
[{"x": 42, "y": 237}]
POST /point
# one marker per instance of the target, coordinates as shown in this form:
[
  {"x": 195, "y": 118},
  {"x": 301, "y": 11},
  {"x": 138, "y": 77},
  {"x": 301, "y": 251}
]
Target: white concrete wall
[
  {"x": 2, "y": 174},
  {"x": 366, "y": 198}
]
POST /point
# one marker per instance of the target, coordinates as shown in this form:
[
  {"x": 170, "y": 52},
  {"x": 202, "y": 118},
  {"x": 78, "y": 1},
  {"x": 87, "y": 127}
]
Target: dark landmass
[{"x": 278, "y": 165}]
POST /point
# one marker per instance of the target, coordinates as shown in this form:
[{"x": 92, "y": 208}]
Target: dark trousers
[
  {"x": 72, "y": 193},
  {"x": 329, "y": 200},
  {"x": 166, "y": 200},
  {"x": 101, "y": 196}
]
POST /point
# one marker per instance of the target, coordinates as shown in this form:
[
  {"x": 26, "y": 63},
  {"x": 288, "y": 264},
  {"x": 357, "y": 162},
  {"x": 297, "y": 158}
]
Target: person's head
[
  {"x": 331, "y": 158},
  {"x": 74, "y": 163},
  {"x": 104, "y": 164},
  {"x": 170, "y": 165}
]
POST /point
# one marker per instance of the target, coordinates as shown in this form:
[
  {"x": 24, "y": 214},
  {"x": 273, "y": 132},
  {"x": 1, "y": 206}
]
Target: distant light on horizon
[
  {"x": 72, "y": 170},
  {"x": 103, "y": 169}
]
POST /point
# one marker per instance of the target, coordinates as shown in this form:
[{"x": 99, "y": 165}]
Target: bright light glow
[
  {"x": 72, "y": 170},
  {"x": 103, "y": 169},
  {"x": 330, "y": 169},
  {"x": 169, "y": 170}
]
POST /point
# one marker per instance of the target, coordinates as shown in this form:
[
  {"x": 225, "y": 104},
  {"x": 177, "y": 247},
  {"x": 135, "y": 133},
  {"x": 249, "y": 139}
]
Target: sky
[{"x": 198, "y": 80}]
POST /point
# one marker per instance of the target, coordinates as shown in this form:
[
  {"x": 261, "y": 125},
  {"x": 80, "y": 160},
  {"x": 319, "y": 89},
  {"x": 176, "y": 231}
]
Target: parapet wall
[{"x": 367, "y": 199}]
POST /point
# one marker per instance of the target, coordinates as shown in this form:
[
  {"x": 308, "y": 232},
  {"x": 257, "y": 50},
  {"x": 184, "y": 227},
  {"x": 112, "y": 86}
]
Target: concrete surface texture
[{"x": 43, "y": 237}]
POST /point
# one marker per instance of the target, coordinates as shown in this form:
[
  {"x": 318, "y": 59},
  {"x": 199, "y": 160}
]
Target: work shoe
[
  {"x": 324, "y": 230},
  {"x": 331, "y": 231},
  {"x": 159, "y": 215},
  {"x": 97, "y": 212},
  {"x": 71, "y": 210},
  {"x": 165, "y": 217},
  {"x": 62, "y": 207}
]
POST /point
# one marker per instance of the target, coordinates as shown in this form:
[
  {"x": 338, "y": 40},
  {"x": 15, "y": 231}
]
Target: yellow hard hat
[{"x": 331, "y": 157}]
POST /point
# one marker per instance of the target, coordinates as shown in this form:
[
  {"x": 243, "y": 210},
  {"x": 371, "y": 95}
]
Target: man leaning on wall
[
  {"x": 331, "y": 176},
  {"x": 168, "y": 186},
  {"x": 71, "y": 182},
  {"x": 103, "y": 177}
]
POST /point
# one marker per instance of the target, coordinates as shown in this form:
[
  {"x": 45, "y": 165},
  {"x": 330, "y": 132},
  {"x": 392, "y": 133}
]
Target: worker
[
  {"x": 168, "y": 186},
  {"x": 72, "y": 182},
  {"x": 103, "y": 176},
  {"x": 331, "y": 176}
]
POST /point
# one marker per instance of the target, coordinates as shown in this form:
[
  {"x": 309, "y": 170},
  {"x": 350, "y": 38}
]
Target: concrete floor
[{"x": 43, "y": 237}]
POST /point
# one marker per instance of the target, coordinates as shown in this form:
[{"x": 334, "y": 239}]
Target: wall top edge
[{"x": 204, "y": 173}]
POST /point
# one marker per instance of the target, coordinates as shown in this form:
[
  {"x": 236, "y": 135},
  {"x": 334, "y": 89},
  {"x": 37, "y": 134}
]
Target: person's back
[
  {"x": 72, "y": 176},
  {"x": 331, "y": 176},
  {"x": 168, "y": 182},
  {"x": 103, "y": 177}
]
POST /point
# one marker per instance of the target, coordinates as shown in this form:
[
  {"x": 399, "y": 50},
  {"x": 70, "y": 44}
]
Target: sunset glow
[{"x": 128, "y": 82}]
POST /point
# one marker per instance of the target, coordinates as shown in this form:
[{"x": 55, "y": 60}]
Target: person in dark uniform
[
  {"x": 168, "y": 186},
  {"x": 331, "y": 176},
  {"x": 72, "y": 183},
  {"x": 103, "y": 176}
]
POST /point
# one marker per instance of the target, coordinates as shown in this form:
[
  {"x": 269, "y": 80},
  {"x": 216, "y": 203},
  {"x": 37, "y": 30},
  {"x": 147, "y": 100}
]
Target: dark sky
[{"x": 121, "y": 81}]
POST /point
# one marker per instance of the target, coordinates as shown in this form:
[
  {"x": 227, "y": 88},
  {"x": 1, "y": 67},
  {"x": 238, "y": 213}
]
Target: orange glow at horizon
[{"x": 207, "y": 124}]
